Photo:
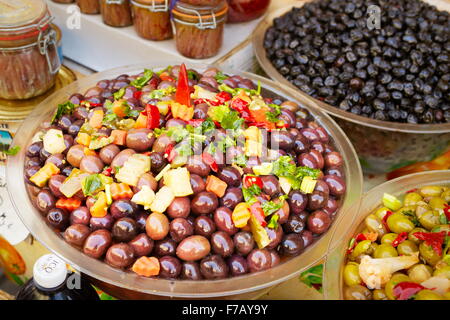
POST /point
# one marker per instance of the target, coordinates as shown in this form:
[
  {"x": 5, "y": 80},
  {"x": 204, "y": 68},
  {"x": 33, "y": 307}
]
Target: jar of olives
[
  {"x": 152, "y": 19},
  {"x": 199, "y": 29},
  {"x": 89, "y": 6},
  {"x": 116, "y": 13},
  {"x": 28, "y": 49}
]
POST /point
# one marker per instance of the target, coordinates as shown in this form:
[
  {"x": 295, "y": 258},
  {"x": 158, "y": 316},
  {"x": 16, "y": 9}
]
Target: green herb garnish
[
  {"x": 250, "y": 192},
  {"x": 140, "y": 82},
  {"x": 273, "y": 223},
  {"x": 220, "y": 77},
  {"x": 270, "y": 207},
  {"x": 273, "y": 116},
  {"x": 64, "y": 108},
  {"x": 12, "y": 151},
  {"x": 119, "y": 94}
]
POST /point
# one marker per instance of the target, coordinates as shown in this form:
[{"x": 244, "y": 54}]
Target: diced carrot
[
  {"x": 120, "y": 137},
  {"x": 83, "y": 138},
  {"x": 121, "y": 191},
  {"x": 89, "y": 152},
  {"x": 96, "y": 119},
  {"x": 100, "y": 207},
  {"x": 182, "y": 111},
  {"x": 141, "y": 121},
  {"x": 68, "y": 204},
  {"x": 120, "y": 108},
  {"x": 41, "y": 177},
  {"x": 146, "y": 266},
  {"x": 165, "y": 76},
  {"x": 215, "y": 185}
]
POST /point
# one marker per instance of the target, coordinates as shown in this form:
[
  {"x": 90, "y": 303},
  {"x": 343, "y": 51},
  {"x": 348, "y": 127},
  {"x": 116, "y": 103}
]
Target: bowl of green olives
[{"x": 399, "y": 245}]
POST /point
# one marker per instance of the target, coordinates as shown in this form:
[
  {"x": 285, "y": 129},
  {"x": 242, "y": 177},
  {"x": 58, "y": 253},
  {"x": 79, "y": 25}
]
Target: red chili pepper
[
  {"x": 412, "y": 190},
  {"x": 214, "y": 102},
  {"x": 359, "y": 237},
  {"x": 137, "y": 95},
  {"x": 405, "y": 290},
  {"x": 447, "y": 211},
  {"x": 258, "y": 213},
  {"x": 433, "y": 239},
  {"x": 200, "y": 100},
  {"x": 107, "y": 171},
  {"x": 241, "y": 106},
  {"x": 400, "y": 238},
  {"x": 196, "y": 122},
  {"x": 153, "y": 116},
  {"x": 223, "y": 97},
  {"x": 209, "y": 160},
  {"x": 251, "y": 180},
  {"x": 183, "y": 94},
  {"x": 384, "y": 221},
  {"x": 91, "y": 104},
  {"x": 170, "y": 153},
  {"x": 217, "y": 123},
  {"x": 268, "y": 100}
]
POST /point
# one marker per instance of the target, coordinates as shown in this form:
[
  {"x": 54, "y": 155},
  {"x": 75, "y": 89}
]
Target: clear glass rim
[
  {"x": 332, "y": 272},
  {"x": 260, "y": 53},
  {"x": 179, "y": 288}
]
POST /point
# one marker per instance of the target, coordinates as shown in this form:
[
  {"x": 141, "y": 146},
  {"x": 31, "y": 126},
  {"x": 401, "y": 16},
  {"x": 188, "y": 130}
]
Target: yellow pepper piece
[
  {"x": 100, "y": 207},
  {"x": 241, "y": 215},
  {"x": 182, "y": 111},
  {"x": 41, "y": 177}
]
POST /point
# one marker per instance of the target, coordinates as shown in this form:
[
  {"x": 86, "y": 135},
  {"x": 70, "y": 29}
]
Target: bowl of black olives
[{"x": 381, "y": 69}]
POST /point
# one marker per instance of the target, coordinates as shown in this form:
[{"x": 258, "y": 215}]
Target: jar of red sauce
[
  {"x": 29, "y": 60},
  {"x": 246, "y": 10}
]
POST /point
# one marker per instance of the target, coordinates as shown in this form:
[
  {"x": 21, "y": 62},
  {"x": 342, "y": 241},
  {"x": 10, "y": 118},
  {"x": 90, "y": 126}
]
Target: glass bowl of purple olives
[
  {"x": 183, "y": 181},
  {"x": 387, "y": 87}
]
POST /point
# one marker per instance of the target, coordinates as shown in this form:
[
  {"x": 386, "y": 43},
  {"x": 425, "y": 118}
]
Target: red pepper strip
[
  {"x": 137, "y": 95},
  {"x": 209, "y": 160},
  {"x": 107, "y": 172},
  {"x": 412, "y": 190},
  {"x": 447, "y": 211},
  {"x": 384, "y": 221},
  {"x": 217, "y": 123},
  {"x": 359, "y": 237},
  {"x": 258, "y": 213},
  {"x": 400, "y": 238},
  {"x": 196, "y": 122},
  {"x": 200, "y": 100},
  {"x": 405, "y": 290},
  {"x": 153, "y": 116},
  {"x": 170, "y": 153},
  {"x": 251, "y": 180},
  {"x": 91, "y": 103},
  {"x": 183, "y": 94},
  {"x": 223, "y": 97},
  {"x": 268, "y": 100},
  {"x": 241, "y": 106},
  {"x": 433, "y": 239}
]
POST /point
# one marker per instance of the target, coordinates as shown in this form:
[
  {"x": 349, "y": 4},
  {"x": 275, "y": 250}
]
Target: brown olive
[
  {"x": 45, "y": 200},
  {"x": 97, "y": 243},
  {"x": 317, "y": 200},
  {"x": 57, "y": 159},
  {"x": 80, "y": 215},
  {"x": 275, "y": 258},
  {"x": 91, "y": 164},
  {"x": 105, "y": 222},
  {"x": 334, "y": 171},
  {"x": 180, "y": 228},
  {"x": 295, "y": 224},
  {"x": 237, "y": 265},
  {"x": 165, "y": 247},
  {"x": 34, "y": 149},
  {"x": 76, "y": 234},
  {"x": 75, "y": 154},
  {"x": 333, "y": 159},
  {"x": 121, "y": 157},
  {"x": 120, "y": 255},
  {"x": 58, "y": 218},
  {"x": 122, "y": 208},
  {"x": 318, "y": 157},
  {"x": 307, "y": 237},
  {"x": 259, "y": 259},
  {"x": 201, "y": 111},
  {"x": 141, "y": 217},
  {"x": 292, "y": 244},
  {"x": 158, "y": 162},
  {"x": 140, "y": 139},
  {"x": 275, "y": 235},
  {"x": 197, "y": 166},
  {"x": 284, "y": 212},
  {"x": 231, "y": 198},
  {"x": 179, "y": 208},
  {"x": 318, "y": 222},
  {"x": 193, "y": 248},
  {"x": 80, "y": 113},
  {"x": 307, "y": 160},
  {"x": 214, "y": 267},
  {"x": 108, "y": 153},
  {"x": 190, "y": 270},
  {"x": 282, "y": 140},
  {"x": 224, "y": 221},
  {"x": 161, "y": 143},
  {"x": 91, "y": 92},
  {"x": 231, "y": 176},
  {"x": 336, "y": 185},
  {"x": 297, "y": 202},
  {"x": 170, "y": 267},
  {"x": 142, "y": 245},
  {"x": 271, "y": 185},
  {"x": 198, "y": 184},
  {"x": 75, "y": 127},
  {"x": 32, "y": 162},
  {"x": 204, "y": 226},
  {"x": 29, "y": 172},
  {"x": 55, "y": 183},
  {"x": 147, "y": 179},
  {"x": 204, "y": 203},
  {"x": 124, "y": 230},
  {"x": 244, "y": 242},
  {"x": 222, "y": 244},
  {"x": 331, "y": 206},
  {"x": 157, "y": 226}
]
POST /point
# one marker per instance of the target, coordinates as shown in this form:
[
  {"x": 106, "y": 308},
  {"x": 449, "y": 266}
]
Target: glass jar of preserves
[
  {"x": 63, "y": 1},
  {"x": 246, "y": 10},
  {"x": 199, "y": 29},
  {"x": 89, "y": 6},
  {"x": 116, "y": 13},
  {"x": 202, "y": 2},
  {"x": 29, "y": 58},
  {"x": 152, "y": 19}
]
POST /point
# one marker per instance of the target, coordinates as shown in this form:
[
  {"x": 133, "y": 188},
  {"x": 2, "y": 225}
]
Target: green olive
[
  {"x": 398, "y": 223},
  {"x": 421, "y": 208},
  {"x": 412, "y": 237},
  {"x": 361, "y": 248},
  {"x": 379, "y": 294},
  {"x": 396, "y": 279},
  {"x": 357, "y": 292},
  {"x": 429, "y": 220},
  {"x": 431, "y": 191},
  {"x": 442, "y": 272},
  {"x": 407, "y": 248},
  {"x": 412, "y": 198},
  {"x": 380, "y": 213},
  {"x": 428, "y": 295},
  {"x": 385, "y": 251},
  {"x": 373, "y": 246},
  {"x": 351, "y": 274},
  {"x": 437, "y": 203},
  {"x": 373, "y": 224},
  {"x": 446, "y": 195},
  {"x": 428, "y": 254},
  {"x": 442, "y": 227},
  {"x": 388, "y": 238},
  {"x": 406, "y": 210},
  {"x": 420, "y": 272}
]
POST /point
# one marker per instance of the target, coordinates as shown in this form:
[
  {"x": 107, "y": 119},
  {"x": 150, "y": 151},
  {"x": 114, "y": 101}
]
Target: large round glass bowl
[
  {"x": 334, "y": 265},
  {"x": 382, "y": 146},
  {"x": 139, "y": 287}
]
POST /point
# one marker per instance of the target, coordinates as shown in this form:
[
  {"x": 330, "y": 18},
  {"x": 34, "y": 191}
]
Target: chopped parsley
[
  {"x": 220, "y": 77},
  {"x": 228, "y": 119},
  {"x": 285, "y": 167},
  {"x": 63, "y": 108},
  {"x": 192, "y": 75},
  {"x": 119, "y": 94},
  {"x": 250, "y": 193},
  {"x": 270, "y": 207},
  {"x": 273, "y": 222},
  {"x": 273, "y": 116},
  {"x": 161, "y": 93},
  {"x": 12, "y": 151},
  {"x": 140, "y": 82}
]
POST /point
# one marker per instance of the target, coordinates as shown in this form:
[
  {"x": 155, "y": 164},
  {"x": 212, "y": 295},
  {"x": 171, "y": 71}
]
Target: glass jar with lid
[
  {"x": 89, "y": 6},
  {"x": 199, "y": 29},
  {"x": 152, "y": 19},
  {"x": 63, "y": 1},
  {"x": 246, "y": 10},
  {"x": 116, "y": 13},
  {"x": 29, "y": 60},
  {"x": 202, "y": 2}
]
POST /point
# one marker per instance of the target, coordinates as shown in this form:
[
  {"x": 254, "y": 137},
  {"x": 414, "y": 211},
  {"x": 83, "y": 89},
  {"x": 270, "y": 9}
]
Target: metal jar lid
[
  {"x": 152, "y": 5},
  {"x": 202, "y": 17},
  {"x": 19, "y": 13}
]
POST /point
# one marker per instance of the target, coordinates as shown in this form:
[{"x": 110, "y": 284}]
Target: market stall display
[
  {"x": 116, "y": 13},
  {"x": 186, "y": 287},
  {"x": 342, "y": 63},
  {"x": 28, "y": 49},
  {"x": 152, "y": 20},
  {"x": 397, "y": 247}
]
